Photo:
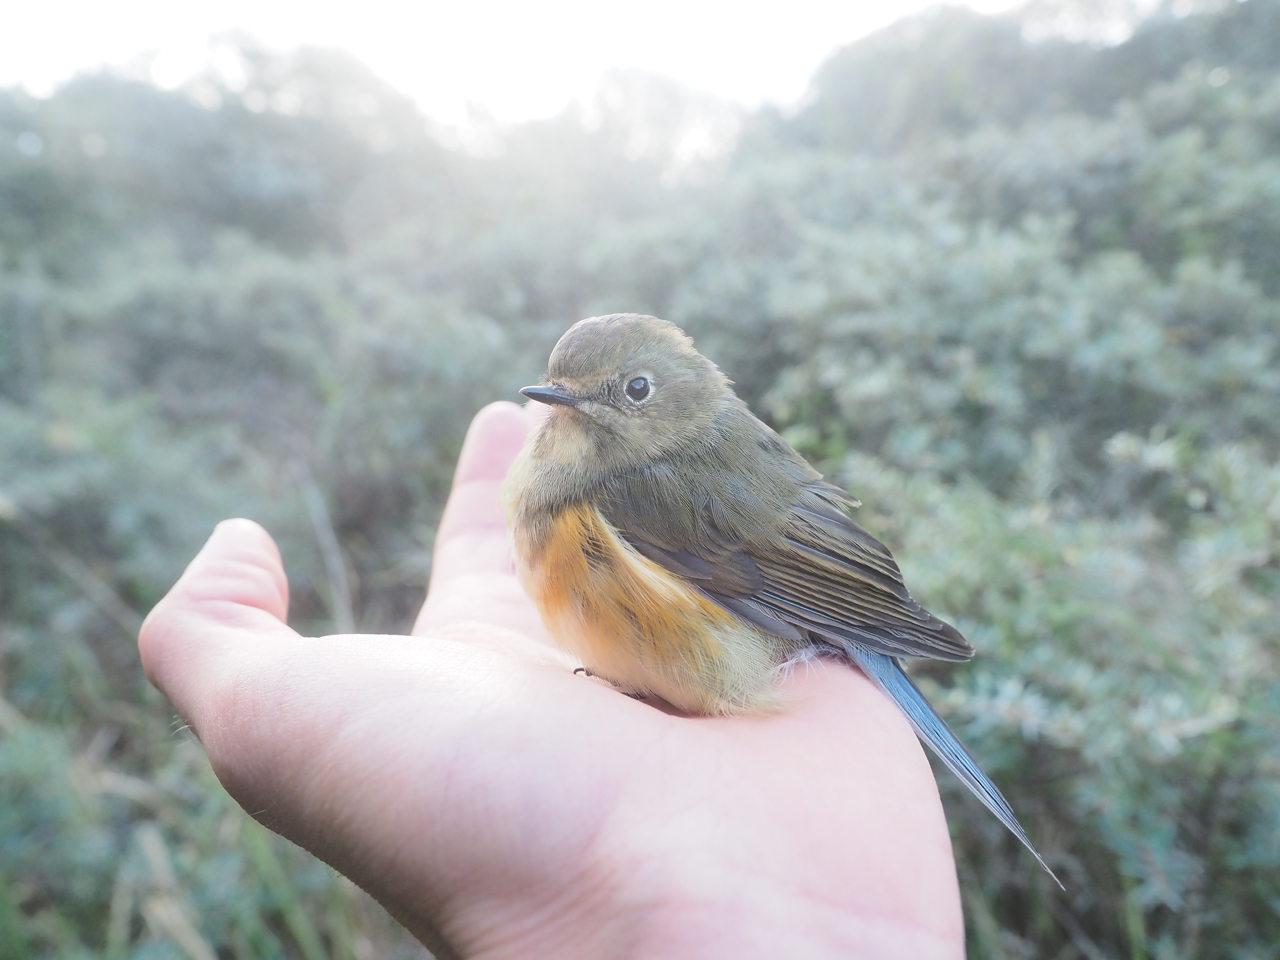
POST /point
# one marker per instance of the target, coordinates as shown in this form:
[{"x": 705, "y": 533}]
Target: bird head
[{"x": 631, "y": 387}]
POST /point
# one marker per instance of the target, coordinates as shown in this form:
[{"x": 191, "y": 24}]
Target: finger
[
  {"x": 472, "y": 577},
  {"x": 231, "y": 600},
  {"x": 473, "y": 516},
  {"x": 494, "y": 438}
]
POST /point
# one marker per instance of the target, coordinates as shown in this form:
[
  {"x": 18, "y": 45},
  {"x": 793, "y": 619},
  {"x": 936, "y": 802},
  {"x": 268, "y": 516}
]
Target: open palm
[{"x": 501, "y": 806}]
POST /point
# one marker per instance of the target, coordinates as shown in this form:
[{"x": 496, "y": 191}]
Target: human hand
[{"x": 500, "y": 806}]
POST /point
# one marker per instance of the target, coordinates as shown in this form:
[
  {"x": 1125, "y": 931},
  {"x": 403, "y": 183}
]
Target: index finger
[
  {"x": 473, "y": 530},
  {"x": 473, "y": 552}
]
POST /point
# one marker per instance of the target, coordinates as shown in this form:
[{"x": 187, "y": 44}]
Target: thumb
[{"x": 231, "y": 600}]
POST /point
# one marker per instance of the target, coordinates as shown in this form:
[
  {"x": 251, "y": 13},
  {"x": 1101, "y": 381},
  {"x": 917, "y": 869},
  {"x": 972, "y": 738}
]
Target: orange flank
[{"x": 638, "y": 625}]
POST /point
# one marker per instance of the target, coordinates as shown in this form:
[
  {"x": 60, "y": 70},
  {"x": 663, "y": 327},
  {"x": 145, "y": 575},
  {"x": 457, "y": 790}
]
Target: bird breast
[{"x": 636, "y": 624}]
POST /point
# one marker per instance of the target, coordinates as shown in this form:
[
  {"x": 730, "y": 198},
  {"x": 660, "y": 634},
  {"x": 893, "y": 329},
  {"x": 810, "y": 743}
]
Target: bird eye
[{"x": 638, "y": 388}]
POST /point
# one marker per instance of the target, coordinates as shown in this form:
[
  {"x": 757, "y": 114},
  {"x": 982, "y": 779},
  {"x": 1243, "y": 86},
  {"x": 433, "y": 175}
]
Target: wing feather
[
  {"x": 682, "y": 562},
  {"x": 803, "y": 568},
  {"x": 759, "y": 614}
]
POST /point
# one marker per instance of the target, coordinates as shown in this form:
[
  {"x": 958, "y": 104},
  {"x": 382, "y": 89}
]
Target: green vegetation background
[{"x": 1022, "y": 299}]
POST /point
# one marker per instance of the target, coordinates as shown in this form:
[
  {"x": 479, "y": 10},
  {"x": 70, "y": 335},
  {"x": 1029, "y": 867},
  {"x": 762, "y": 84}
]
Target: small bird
[{"x": 680, "y": 548}]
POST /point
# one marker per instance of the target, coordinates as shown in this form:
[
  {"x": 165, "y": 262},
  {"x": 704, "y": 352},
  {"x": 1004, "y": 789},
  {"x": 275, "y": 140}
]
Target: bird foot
[{"x": 587, "y": 673}]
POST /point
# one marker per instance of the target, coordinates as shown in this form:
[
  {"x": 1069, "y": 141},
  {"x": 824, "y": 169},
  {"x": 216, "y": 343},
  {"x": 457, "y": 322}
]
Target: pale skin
[{"x": 501, "y": 806}]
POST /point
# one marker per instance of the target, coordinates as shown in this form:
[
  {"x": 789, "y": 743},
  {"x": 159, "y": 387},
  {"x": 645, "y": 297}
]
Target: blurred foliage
[{"x": 1022, "y": 298}]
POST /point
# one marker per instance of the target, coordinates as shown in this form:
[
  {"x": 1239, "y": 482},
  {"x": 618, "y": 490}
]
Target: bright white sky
[{"x": 520, "y": 60}]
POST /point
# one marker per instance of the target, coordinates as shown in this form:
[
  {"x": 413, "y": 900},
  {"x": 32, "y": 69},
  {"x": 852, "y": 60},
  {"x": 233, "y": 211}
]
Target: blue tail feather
[{"x": 888, "y": 675}]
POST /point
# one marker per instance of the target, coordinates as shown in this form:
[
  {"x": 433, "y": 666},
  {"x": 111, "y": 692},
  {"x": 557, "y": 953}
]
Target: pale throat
[{"x": 564, "y": 441}]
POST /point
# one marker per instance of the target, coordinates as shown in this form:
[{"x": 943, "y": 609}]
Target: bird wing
[{"x": 817, "y": 574}]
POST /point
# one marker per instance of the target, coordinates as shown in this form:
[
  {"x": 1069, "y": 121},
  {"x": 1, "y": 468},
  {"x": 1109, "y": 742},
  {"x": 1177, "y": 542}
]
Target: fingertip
[
  {"x": 241, "y": 533},
  {"x": 494, "y": 438},
  {"x": 239, "y": 564}
]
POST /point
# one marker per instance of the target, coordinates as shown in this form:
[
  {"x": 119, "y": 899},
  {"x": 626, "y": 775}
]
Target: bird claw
[{"x": 587, "y": 673}]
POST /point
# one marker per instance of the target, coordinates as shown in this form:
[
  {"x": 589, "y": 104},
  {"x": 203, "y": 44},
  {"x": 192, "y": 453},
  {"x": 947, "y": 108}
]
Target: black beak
[{"x": 557, "y": 396}]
